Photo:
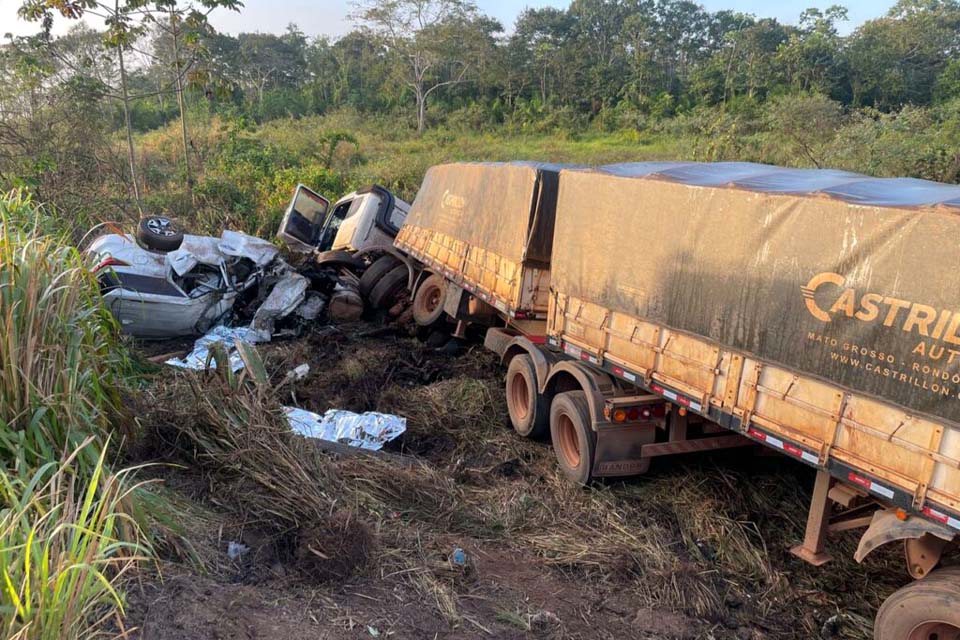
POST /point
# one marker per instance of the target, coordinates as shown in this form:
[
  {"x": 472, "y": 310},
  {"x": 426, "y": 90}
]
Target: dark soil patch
[{"x": 335, "y": 548}]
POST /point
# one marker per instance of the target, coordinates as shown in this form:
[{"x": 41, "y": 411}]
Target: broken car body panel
[{"x": 157, "y": 295}]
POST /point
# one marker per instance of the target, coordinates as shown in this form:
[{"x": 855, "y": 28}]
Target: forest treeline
[{"x": 882, "y": 98}]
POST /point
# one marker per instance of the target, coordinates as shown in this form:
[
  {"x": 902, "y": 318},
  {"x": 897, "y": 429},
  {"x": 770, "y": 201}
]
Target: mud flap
[
  {"x": 887, "y": 527},
  {"x": 618, "y": 451}
]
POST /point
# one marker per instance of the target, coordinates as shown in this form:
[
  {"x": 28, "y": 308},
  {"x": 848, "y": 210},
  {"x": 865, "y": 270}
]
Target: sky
[{"x": 327, "y": 17}]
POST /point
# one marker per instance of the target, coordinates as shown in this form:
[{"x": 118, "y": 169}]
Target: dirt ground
[{"x": 364, "y": 547}]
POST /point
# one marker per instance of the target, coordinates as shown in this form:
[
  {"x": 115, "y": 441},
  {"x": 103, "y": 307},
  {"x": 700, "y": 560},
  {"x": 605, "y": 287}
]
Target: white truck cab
[{"x": 368, "y": 218}]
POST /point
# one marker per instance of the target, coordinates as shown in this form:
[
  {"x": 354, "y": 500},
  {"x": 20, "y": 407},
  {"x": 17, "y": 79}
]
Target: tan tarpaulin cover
[
  {"x": 866, "y": 296},
  {"x": 491, "y": 205}
]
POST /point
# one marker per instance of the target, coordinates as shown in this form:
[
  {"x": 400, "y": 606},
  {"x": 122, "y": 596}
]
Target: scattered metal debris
[{"x": 287, "y": 294}]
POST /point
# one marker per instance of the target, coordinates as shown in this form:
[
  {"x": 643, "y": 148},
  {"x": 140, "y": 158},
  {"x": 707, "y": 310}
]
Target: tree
[
  {"x": 895, "y": 60},
  {"x": 812, "y": 59},
  {"x": 805, "y": 122},
  {"x": 126, "y": 22},
  {"x": 426, "y": 39},
  {"x": 180, "y": 26},
  {"x": 268, "y": 60},
  {"x": 124, "y": 26}
]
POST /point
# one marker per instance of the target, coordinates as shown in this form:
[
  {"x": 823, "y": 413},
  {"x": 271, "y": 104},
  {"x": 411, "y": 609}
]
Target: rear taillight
[
  {"x": 637, "y": 413},
  {"x": 108, "y": 262}
]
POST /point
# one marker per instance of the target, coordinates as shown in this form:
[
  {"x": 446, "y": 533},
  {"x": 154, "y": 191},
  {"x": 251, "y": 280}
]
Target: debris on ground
[
  {"x": 201, "y": 358},
  {"x": 369, "y": 430},
  {"x": 288, "y": 293},
  {"x": 236, "y": 550},
  {"x": 299, "y": 372}
]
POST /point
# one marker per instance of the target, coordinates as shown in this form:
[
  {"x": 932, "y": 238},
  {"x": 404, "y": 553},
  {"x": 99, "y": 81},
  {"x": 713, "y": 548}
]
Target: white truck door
[{"x": 303, "y": 221}]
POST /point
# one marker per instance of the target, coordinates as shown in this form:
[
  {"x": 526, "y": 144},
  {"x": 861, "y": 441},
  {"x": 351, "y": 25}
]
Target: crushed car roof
[{"x": 843, "y": 185}]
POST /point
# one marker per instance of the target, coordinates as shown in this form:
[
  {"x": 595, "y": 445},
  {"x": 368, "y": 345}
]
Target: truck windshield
[{"x": 340, "y": 213}]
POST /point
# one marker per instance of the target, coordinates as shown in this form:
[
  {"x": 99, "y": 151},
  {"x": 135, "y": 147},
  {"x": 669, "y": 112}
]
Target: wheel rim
[
  {"x": 161, "y": 226},
  {"x": 520, "y": 396},
  {"x": 935, "y": 630},
  {"x": 432, "y": 300},
  {"x": 569, "y": 443}
]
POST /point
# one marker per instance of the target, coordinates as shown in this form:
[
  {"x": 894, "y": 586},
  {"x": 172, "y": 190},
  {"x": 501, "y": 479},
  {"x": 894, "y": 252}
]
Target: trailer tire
[
  {"x": 529, "y": 409},
  {"x": 574, "y": 441},
  {"x": 374, "y": 273},
  {"x": 383, "y": 294},
  {"x": 428, "y": 301},
  {"x": 925, "y": 609}
]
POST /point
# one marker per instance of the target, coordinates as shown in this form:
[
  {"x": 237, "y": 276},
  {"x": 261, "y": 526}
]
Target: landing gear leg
[{"x": 812, "y": 549}]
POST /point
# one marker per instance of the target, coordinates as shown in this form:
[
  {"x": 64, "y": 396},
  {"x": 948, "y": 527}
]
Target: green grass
[
  {"x": 248, "y": 172},
  {"x": 59, "y": 356},
  {"x": 66, "y": 543},
  {"x": 66, "y": 539}
]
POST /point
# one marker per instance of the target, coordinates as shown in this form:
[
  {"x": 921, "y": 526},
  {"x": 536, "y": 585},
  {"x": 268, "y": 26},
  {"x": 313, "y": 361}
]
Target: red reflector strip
[
  {"x": 577, "y": 352},
  {"x": 786, "y": 447},
  {"x": 870, "y": 485},
  {"x": 676, "y": 397},
  {"x": 941, "y": 517},
  {"x": 623, "y": 373},
  {"x": 537, "y": 339}
]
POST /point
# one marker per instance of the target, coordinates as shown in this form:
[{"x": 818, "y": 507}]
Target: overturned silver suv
[{"x": 161, "y": 282}]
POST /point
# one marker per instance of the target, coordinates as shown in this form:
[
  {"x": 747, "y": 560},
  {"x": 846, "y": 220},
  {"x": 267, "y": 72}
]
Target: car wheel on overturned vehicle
[
  {"x": 384, "y": 293},
  {"x": 375, "y": 272},
  {"x": 574, "y": 441},
  {"x": 159, "y": 233}
]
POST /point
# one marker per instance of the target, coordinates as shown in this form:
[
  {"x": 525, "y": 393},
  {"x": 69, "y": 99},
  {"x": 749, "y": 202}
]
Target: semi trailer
[{"x": 652, "y": 309}]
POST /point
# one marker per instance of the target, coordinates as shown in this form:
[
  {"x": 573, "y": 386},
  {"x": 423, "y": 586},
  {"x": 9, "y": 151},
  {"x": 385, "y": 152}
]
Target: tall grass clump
[
  {"x": 59, "y": 356},
  {"x": 66, "y": 537},
  {"x": 66, "y": 542}
]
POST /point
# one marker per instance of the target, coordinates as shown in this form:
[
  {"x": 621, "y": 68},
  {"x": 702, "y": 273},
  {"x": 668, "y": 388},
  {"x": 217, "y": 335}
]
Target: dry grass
[{"x": 708, "y": 541}]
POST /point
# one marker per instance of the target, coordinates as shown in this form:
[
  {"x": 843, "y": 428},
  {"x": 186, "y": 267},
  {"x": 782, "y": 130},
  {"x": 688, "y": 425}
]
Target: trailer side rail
[{"x": 895, "y": 455}]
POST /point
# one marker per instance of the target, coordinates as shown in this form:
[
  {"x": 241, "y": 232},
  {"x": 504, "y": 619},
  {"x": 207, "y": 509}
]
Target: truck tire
[
  {"x": 571, "y": 431},
  {"x": 926, "y": 609},
  {"x": 159, "y": 233},
  {"x": 339, "y": 258},
  {"x": 374, "y": 272},
  {"x": 529, "y": 410},
  {"x": 384, "y": 293},
  {"x": 428, "y": 301}
]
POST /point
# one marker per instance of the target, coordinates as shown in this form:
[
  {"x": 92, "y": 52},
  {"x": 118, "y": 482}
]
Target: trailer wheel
[
  {"x": 573, "y": 438},
  {"x": 384, "y": 293},
  {"x": 529, "y": 410},
  {"x": 928, "y": 609},
  {"x": 374, "y": 273},
  {"x": 428, "y": 301}
]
